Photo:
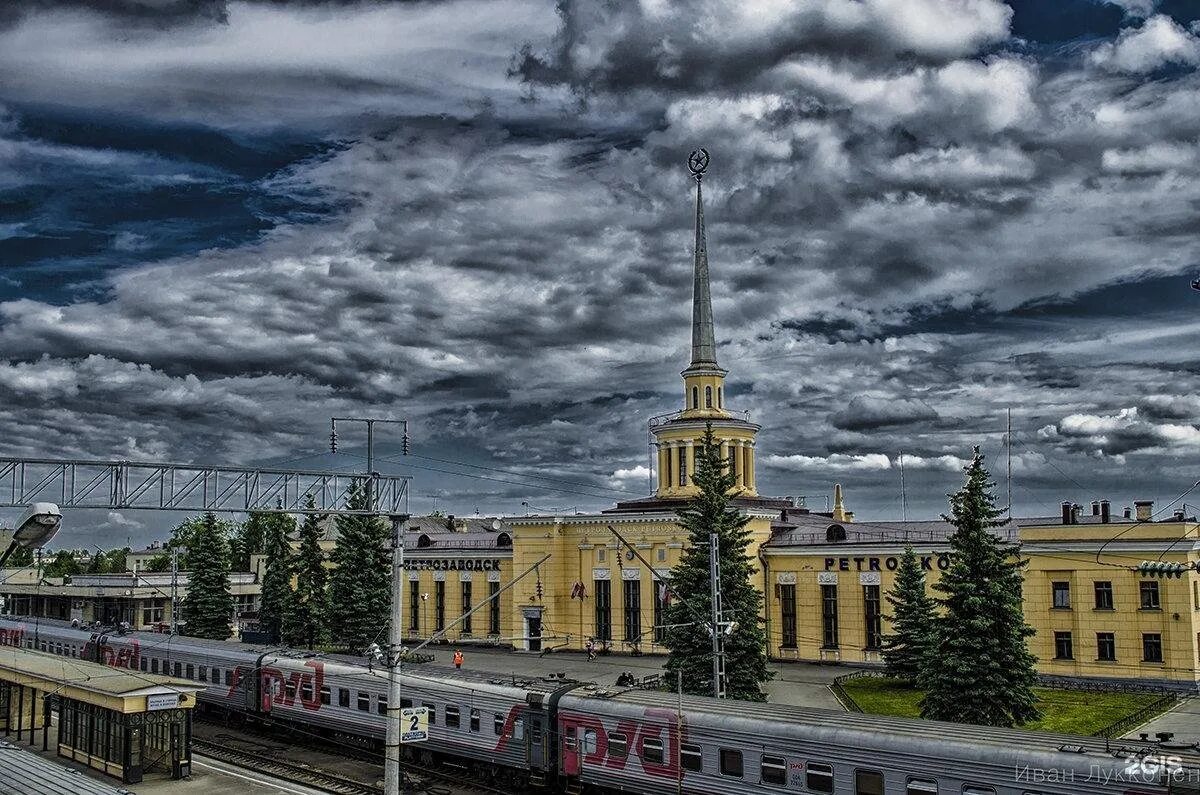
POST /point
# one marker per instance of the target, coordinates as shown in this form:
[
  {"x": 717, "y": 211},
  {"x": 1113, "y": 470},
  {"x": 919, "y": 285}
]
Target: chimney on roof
[
  {"x": 1105, "y": 512},
  {"x": 1143, "y": 509},
  {"x": 1179, "y": 515},
  {"x": 1128, "y": 512},
  {"x": 450, "y": 523},
  {"x": 1076, "y": 509},
  {"x": 1066, "y": 512},
  {"x": 1095, "y": 507}
]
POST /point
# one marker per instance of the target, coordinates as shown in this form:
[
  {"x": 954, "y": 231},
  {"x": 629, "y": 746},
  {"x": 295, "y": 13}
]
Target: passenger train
[{"x": 559, "y": 735}]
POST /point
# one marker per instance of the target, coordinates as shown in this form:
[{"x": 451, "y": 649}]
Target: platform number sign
[{"x": 414, "y": 725}]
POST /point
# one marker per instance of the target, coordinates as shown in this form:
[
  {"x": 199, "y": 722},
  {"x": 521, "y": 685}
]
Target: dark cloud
[{"x": 868, "y": 413}]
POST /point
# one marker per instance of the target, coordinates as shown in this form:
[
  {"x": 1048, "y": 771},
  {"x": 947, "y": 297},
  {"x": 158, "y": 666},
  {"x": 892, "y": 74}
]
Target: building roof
[
  {"x": 447, "y": 532},
  {"x": 23, "y": 772},
  {"x": 93, "y": 677}
]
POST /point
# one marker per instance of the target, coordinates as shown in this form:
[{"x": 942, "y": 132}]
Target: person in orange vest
[{"x": 458, "y": 658}]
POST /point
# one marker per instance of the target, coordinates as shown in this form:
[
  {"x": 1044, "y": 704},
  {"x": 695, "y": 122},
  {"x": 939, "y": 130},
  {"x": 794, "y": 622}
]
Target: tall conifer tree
[
  {"x": 305, "y": 622},
  {"x": 980, "y": 669},
  {"x": 208, "y": 606},
  {"x": 360, "y": 585},
  {"x": 277, "y": 578},
  {"x": 690, "y": 644},
  {"x": 906, "y": 647}
]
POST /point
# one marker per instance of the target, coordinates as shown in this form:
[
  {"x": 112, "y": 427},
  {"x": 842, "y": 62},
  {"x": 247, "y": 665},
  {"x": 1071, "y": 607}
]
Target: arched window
[
  {"x": 719, "y": 401},
  {"x": 835, "y": 532},
  {"x": 504, "y": 540},
  {"x": 708, "y": 397},
  {"x": 424, "y": 541},
  {"x": 695, "y": 397}
]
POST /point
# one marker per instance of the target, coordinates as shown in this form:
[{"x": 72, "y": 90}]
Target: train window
[
  {"x": 451, "y": 717},
  {"x": 518, "y": 728},
  {"x": 203, "y": 674},
  {"x": 191, "y": 672},
  {"x": 432, "y": 710},
  {"x": 498, "y": 724},
  {"x": 868, "y": 782},
  {"x": 325, "y": 691},
  {"x": 474, "y": 720},
  {"x": 652, "y": 750},
  {"x": 921, "y": 786},
  {"x": 731, "y": 762},
  {"x": 179, "y": 669},
  {"x": 229, "y": 681},
  {"x": 306, "y": 691},
  {"x": 145, "y": 664},
  {"x": 972, "y": 789},
  {"x": 774, "y": 770},
  {"x": 618, "y": 745},
  {"x": 343, "y": 697},
  {"x": 381, "y": 705},
  {"x": 364, "y": 701},
  {"x": 290, "y": 689},
  {"x": 406, "y": 703},
  {"x": 589, "y": 741},
  {"x": 690, "y": 757},
  {"x": 819, "y": 777},
  {"x": 154, "y": 666}
]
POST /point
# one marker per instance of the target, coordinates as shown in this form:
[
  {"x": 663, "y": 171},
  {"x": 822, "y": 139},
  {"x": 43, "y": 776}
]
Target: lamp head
[{"x": 37, "y": 525}]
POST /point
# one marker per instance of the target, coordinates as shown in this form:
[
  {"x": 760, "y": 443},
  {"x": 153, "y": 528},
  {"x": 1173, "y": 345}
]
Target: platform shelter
[{"x": 124, "y": 723}]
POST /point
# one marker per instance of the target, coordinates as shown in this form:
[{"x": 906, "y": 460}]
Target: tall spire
[{"x": 704, "y": 346}]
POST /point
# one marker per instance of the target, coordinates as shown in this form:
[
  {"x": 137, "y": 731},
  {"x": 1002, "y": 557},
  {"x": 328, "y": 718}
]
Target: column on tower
[
  {"x": 724, "y": 448},
  {"x": 690, "y": 452},
  {"x": 751, "y": 477},
  {"x": 738, "y": 463},
  {"x": 660, "y": 453}
]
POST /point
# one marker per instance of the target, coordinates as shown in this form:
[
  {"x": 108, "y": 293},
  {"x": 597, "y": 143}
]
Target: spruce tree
[
  {"x": 905, "y": 648},
  {"x": 208, "y": 606},
  {"x": 980, "y": 669},
  {"x": 304, "y": 624},
  {"x": 277, "y": 578},
  {"x": 690, "y": 644},
  {"x": 360, "y": 586}
]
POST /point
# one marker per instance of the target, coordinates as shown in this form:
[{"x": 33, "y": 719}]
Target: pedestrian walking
[
  {"x": 458, "y": 658},
  {"x": 591, "y": 649}
]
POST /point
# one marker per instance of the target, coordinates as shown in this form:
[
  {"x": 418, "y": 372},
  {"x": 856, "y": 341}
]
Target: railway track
[{"x": 288, "y": 771}]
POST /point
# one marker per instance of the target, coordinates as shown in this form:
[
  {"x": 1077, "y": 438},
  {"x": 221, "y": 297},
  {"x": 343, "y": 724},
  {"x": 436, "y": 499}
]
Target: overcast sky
[{"x": 222, "y": 222}]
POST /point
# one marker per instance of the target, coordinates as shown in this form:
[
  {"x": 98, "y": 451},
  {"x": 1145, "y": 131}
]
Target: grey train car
[{"x": 575, "y": 737}]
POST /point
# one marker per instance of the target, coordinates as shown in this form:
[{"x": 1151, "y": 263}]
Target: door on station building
[{"x": 533, "y": 631}]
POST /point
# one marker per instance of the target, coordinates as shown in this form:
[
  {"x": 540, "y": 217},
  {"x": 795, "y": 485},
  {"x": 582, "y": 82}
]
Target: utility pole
[
  {"x": 175, "y": 590},
  {"x": 903, "y": 492},
  {"x": 718, "y": 631},
  {"x": 393, "y": 782},
  {"x": 1008, "y": 439}
]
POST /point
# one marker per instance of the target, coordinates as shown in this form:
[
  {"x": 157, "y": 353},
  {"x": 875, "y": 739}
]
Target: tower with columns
[{"x": 678, "y": 436}]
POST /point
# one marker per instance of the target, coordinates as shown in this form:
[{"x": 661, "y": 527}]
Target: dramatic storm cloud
[{"x": 223, "y": 222}]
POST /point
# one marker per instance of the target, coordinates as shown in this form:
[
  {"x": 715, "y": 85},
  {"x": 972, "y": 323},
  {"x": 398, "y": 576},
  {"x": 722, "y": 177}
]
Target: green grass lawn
[{"x": 1065, "y": 711}]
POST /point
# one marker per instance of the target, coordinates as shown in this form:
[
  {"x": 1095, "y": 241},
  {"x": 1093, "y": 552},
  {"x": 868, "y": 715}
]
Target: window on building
[
  {"x": 414, "y": 606},
  {"x": 719, "y": 390},
  {"x": 1149, "y": 594},
  {"x": 1106, "y": 646},
  {"x": 465, "y": 624},
  {"x": 1062, "y": 595},
  {"x": 1062, "y": 646},
  {"x": 618, "y": 745},
  {"x": 474, "y": 720},
  {"x": 921, "y": 786},
  {"x": 632, "y": 597},
  {"x": 364, "y": 701},
  {"x": 494, "y": 608},
  {"x": 1152, "y": 647},
  {"x": 708, "y": 397},
  {"x": 691, "y": 757},
  {"x": 343, "y": 697},
  {"x": 829, "y": 617},
  {"x": 787, "y": 606},
  {"x": 774, "y": 770},
  {"x": 603, "y": 604},
  {"x": 662, "y": 554},
  {"x": 439, "y": 605},
  {"x": 871, "y": 614},
  {"x": 661, "y": 601},
  {"x": 652, "y": 750},
  {"x": 819, "y": 777},
  {"x": 152, "y": 611},
  {"x": 601, "y": 555},
  {"x": 695, "y": 398},
  {"x": 452, "y": 717},
  {"x": 731, "y": 763},
  {"x": 868, "y": 782},
  {"x": 1104, "y": 595}
]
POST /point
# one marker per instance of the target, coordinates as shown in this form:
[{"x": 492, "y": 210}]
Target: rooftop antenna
[
  {"x": 903, "y": 491},
  {"x": 1008, "y": 443}
]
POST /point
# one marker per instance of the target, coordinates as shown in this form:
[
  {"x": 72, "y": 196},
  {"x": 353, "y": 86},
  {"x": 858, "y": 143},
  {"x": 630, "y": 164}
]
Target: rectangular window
[
  {"x": 819, "y": 777},
  {"x": 660, "y": 610},
  {"x": 787, "y": 605},
  {"x": 731, "y": 763},
  {"x": 774, "y": 770},
  {"x": 191, "y": 671},
  {"x": 381, "y": 705},
  {"x": 1062, "y": 595},
  {"x": 1062, "y": 646},
  {"x": 601, "y": 555},
  {"x": 474, "y": 720},
  {"x": 1106, "y": 646},
  {"x": 652, "y": 750},
  {"x": 364, "y": 701},
  {"x": 921, "y": 786},
  {"x": 439, "y": 606},
  {"x": 591, "y": 741},
  {"x": 154, "y": 665},
  {"x": 872, "y": 616},
  {"x": 290, "y": 689},
  {"x": 432, "y": 710},
  {"x": 203, "y": 674},
  {"x": 452, "y": 717},
  {"x": 632, "y": 592},
  {"x": 343, "y": 697},
  {"x": 179, "y": 669},
  {"x": 1149, "y": 593},
  {"x": 325, "y": 691},
  {"x": 971, "y": 789},
  {"x": 868, "y": 782},
  {"x": 618, "y": 745},
  {"x": 465, "y": 624},
  {"x": 603, "y": 609},
  {"x": 1152, "y": 647},
  {"x": 498, "y": 724},
  {"x": 494, "y": 608},
  {"x": 829, "y": 617},
  {"x": 691, "y": 757},
  {"x": 1104, "y": 595},
  {"x": 414, "y": 606}
]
